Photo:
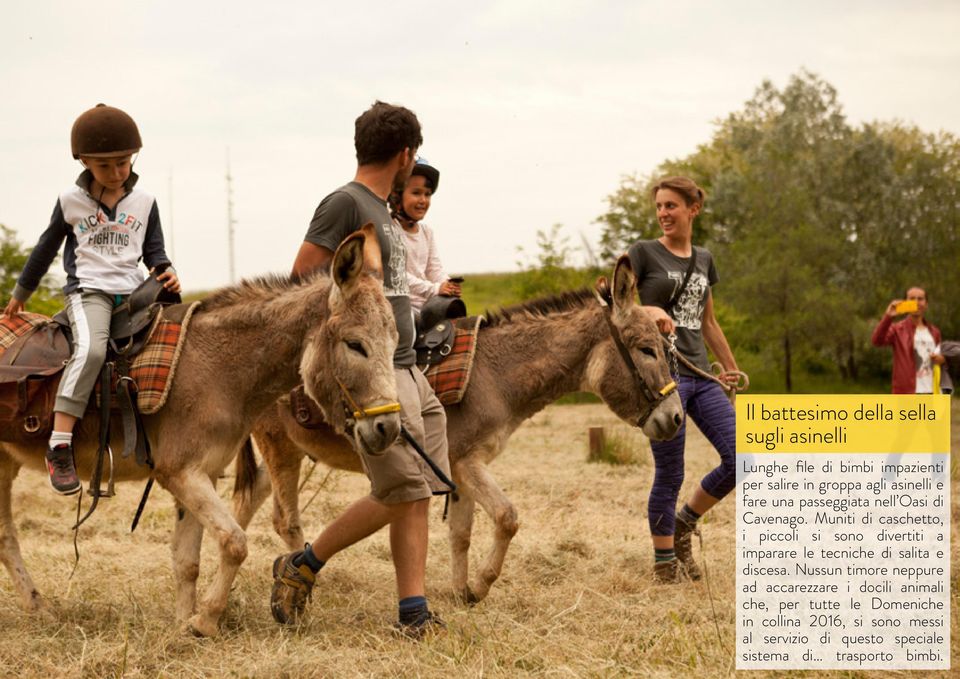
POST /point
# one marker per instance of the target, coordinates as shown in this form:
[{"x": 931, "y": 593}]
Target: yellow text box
[{"x": 843, "y": 423}]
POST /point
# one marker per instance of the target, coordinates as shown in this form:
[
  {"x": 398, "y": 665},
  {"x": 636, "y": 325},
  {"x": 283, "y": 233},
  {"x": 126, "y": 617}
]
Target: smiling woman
[{"x": 674, "y": 278}]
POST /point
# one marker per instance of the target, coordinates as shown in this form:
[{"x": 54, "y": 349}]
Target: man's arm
[
  {"x": 311, "y": 258},
  {"x": 883, "y": 334}
]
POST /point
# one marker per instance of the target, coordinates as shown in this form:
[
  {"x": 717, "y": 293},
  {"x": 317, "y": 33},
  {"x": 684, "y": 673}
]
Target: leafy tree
[
  {"x": 47, "y": 299},
  {"x": 816, "y": 225}
]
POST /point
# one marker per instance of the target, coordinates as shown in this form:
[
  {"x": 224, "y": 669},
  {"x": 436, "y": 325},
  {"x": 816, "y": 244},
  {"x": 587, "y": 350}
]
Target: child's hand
[
  {"x": 14, "y": 307},
  {"x": 449, "y": 288},
  {"x": 170, "y": 280}
]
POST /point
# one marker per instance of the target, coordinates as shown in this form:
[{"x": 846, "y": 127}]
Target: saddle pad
[
  {"x": 12, "y": 327},
  {"x": 153, "y": 369},
  {"x": 451, "y": 376}
]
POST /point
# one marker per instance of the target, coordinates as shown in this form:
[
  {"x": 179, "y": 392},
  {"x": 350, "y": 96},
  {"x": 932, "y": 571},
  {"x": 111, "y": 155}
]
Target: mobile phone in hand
[
  {"x": 907, "y": 306},
  {"x": 456, "y": 279}
]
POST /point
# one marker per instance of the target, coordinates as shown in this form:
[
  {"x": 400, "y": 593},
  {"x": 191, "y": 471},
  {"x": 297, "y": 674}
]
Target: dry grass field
[{"x": 575, "y": 599}]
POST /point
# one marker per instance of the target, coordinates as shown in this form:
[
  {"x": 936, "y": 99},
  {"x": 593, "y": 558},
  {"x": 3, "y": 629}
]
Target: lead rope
[
  {"x": 742, "y": 383},
  {"x": 433, "y": 466},
  {"x": 731, "y": 390}
]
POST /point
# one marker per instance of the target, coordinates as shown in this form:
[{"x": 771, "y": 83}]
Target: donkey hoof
[
  {"x": 200, "y": 626},
  {"x": 468, "y": 597}
]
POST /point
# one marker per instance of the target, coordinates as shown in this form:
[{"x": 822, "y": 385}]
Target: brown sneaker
[
  {"x": 666, "y": 572},
  {"x": 63, "y": 472},
  {"x": 292, "y": 586},
  {"x": 683, "y": 547},
  {"x": 420, "y": 629}
]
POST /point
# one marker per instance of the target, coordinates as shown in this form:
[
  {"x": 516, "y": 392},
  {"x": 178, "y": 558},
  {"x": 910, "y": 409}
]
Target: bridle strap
[
  {"x": 651, "y": 398},
  {"x": 360, "y": 412}
]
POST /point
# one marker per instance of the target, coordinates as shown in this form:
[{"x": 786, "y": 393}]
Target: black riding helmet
[
  {"x": 104, "y": 131},
  {"x": 424, "y": 169}
]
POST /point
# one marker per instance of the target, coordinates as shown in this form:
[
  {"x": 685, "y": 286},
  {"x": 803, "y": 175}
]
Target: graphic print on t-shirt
[
  {"x": 688, "y": 310},
  {"x": 923, "y": 346},
  {"x": 396, "y": 283}
]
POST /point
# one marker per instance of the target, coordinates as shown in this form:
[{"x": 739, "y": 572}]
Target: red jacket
[{"x": 900, "y": 336}]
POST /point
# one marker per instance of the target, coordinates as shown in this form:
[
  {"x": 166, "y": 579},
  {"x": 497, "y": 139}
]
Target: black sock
[
  {"x": 413, "y": 610},
  {"x": 309, "y": 558},
  {"x": 688, "y": 515},
  {"x": 664, "y": 554}
]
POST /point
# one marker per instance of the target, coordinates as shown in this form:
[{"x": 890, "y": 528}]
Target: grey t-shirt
[
  {"x": 343, "y": 212},
  {"x": 659, "y": 274}
]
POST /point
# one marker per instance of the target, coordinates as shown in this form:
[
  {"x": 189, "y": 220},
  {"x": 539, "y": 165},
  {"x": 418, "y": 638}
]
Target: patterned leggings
[{"x": 707, "y": 404}]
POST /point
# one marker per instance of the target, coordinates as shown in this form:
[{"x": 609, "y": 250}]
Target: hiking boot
[
  {"x": 428, "y": 624},
  {"x": 683, "y": 546},
  {"x": 666, "y": 572},
  {"x": 63, "y": 473},
  {"x": 292, "y": 586}
]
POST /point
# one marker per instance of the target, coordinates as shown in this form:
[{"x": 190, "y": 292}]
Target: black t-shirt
[
  {"x": 659, "y": 274},
  {"x": 343, "y": 212}
]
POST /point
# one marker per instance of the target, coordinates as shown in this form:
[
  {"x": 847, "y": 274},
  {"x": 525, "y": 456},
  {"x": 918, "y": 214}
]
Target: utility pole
[
  {"x": 173, "y": 250},
  {"x": 230, "y": 222}
]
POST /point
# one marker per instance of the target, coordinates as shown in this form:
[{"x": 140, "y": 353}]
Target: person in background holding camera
[
  {"x": 410, "y": 204},
  {"x": 915, "y": 342},
  {"x": 108, "y": 226}
]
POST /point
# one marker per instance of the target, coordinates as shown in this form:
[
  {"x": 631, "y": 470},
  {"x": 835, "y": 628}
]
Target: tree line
[{"x": 816, "y": 225}]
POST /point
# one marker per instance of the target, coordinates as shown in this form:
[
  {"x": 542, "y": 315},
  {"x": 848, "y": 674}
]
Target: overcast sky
[{"x": 532, "y": 111}]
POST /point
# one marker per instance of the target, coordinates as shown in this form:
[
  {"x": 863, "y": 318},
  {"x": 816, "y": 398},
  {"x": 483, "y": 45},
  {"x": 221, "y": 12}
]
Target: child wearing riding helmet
[
  {"x": 109, "y": 226},
  {"x": 425, "y": 274}
]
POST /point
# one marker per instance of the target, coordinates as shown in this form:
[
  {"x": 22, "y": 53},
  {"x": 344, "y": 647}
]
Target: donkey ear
[
  {"x": 624, "y": 284},
  {"x": 358, "y": 253},
  {"x": 372, "y": 256},
  {"x": 348, "y": 260}
]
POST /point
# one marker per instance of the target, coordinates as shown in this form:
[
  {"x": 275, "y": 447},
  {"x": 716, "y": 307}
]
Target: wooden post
[{"x": 596, "y": 444}]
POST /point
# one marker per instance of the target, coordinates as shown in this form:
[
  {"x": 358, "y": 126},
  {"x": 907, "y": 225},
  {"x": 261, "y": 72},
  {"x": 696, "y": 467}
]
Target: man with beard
[{"x": 386, "y": 139}]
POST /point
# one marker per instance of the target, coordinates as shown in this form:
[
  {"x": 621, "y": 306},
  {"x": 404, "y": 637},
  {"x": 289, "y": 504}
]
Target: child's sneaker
[{"x": 63, "y": 473}]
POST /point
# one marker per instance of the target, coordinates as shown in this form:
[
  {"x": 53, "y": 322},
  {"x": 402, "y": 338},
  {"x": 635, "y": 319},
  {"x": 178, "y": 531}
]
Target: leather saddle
[
  {"x": 435, "y": 331},
  {"x": 30, "y": 368}
]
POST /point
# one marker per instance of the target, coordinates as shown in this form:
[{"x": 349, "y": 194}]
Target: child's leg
[{"x": 89, "y": 314}]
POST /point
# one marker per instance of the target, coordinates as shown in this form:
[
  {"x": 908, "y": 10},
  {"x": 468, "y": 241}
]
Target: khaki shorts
[{"x": 399, "y": 474}]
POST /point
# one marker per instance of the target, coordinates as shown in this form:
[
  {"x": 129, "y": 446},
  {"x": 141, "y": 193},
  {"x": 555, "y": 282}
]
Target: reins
[
  {"x": 359, "y": 413},
  {"x": 743, "y": 380}
]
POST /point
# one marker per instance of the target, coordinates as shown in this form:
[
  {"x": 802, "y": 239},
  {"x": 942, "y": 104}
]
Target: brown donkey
[
  {"x": 247, "y": 345},
  {"x": 526, "y": 358}
]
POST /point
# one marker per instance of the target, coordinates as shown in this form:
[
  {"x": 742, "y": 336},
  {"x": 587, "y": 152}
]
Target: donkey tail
[{"x": 246, "y": 477}]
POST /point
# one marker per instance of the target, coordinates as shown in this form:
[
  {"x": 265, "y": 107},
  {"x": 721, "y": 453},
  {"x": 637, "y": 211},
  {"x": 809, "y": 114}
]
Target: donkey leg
[
  {"x": 481, "y": 484},
  {"x": 187, "y": 539},
  {"x": 197, "y": 494},
  {"x": 461, "y": 527},
  {"x": 246, "y": 503},
  {"x": 283, "y": 459},
  {"x": 30, "y": 598}
]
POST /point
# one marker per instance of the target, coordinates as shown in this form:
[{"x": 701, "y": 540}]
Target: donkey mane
[
  {"x": 260, "y": 289},
  {"x": 542, "y": 307}
]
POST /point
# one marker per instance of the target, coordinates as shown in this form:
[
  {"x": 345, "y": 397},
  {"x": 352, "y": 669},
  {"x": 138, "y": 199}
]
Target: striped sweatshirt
[{"x": 103, "y": 246}]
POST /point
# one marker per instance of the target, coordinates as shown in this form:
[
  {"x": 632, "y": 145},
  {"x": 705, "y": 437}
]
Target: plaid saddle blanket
[
  {"x": 152, "y": 370},
  {"x": 13, "y": 327},
  {"x": 451, "y": 377}
]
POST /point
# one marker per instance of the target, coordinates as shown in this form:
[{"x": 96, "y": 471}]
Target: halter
[
  {"x": 360, "y": 412},
  {"x": 646, "y": 393}
]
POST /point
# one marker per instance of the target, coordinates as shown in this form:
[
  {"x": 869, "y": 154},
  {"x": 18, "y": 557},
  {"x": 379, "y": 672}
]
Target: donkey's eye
[
  {"x": 649, "y": 352},
  {"x": 353, "y": 345}
]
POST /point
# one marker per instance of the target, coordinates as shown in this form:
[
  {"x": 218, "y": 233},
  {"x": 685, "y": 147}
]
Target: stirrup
[{"x": 109, "y": 492}]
